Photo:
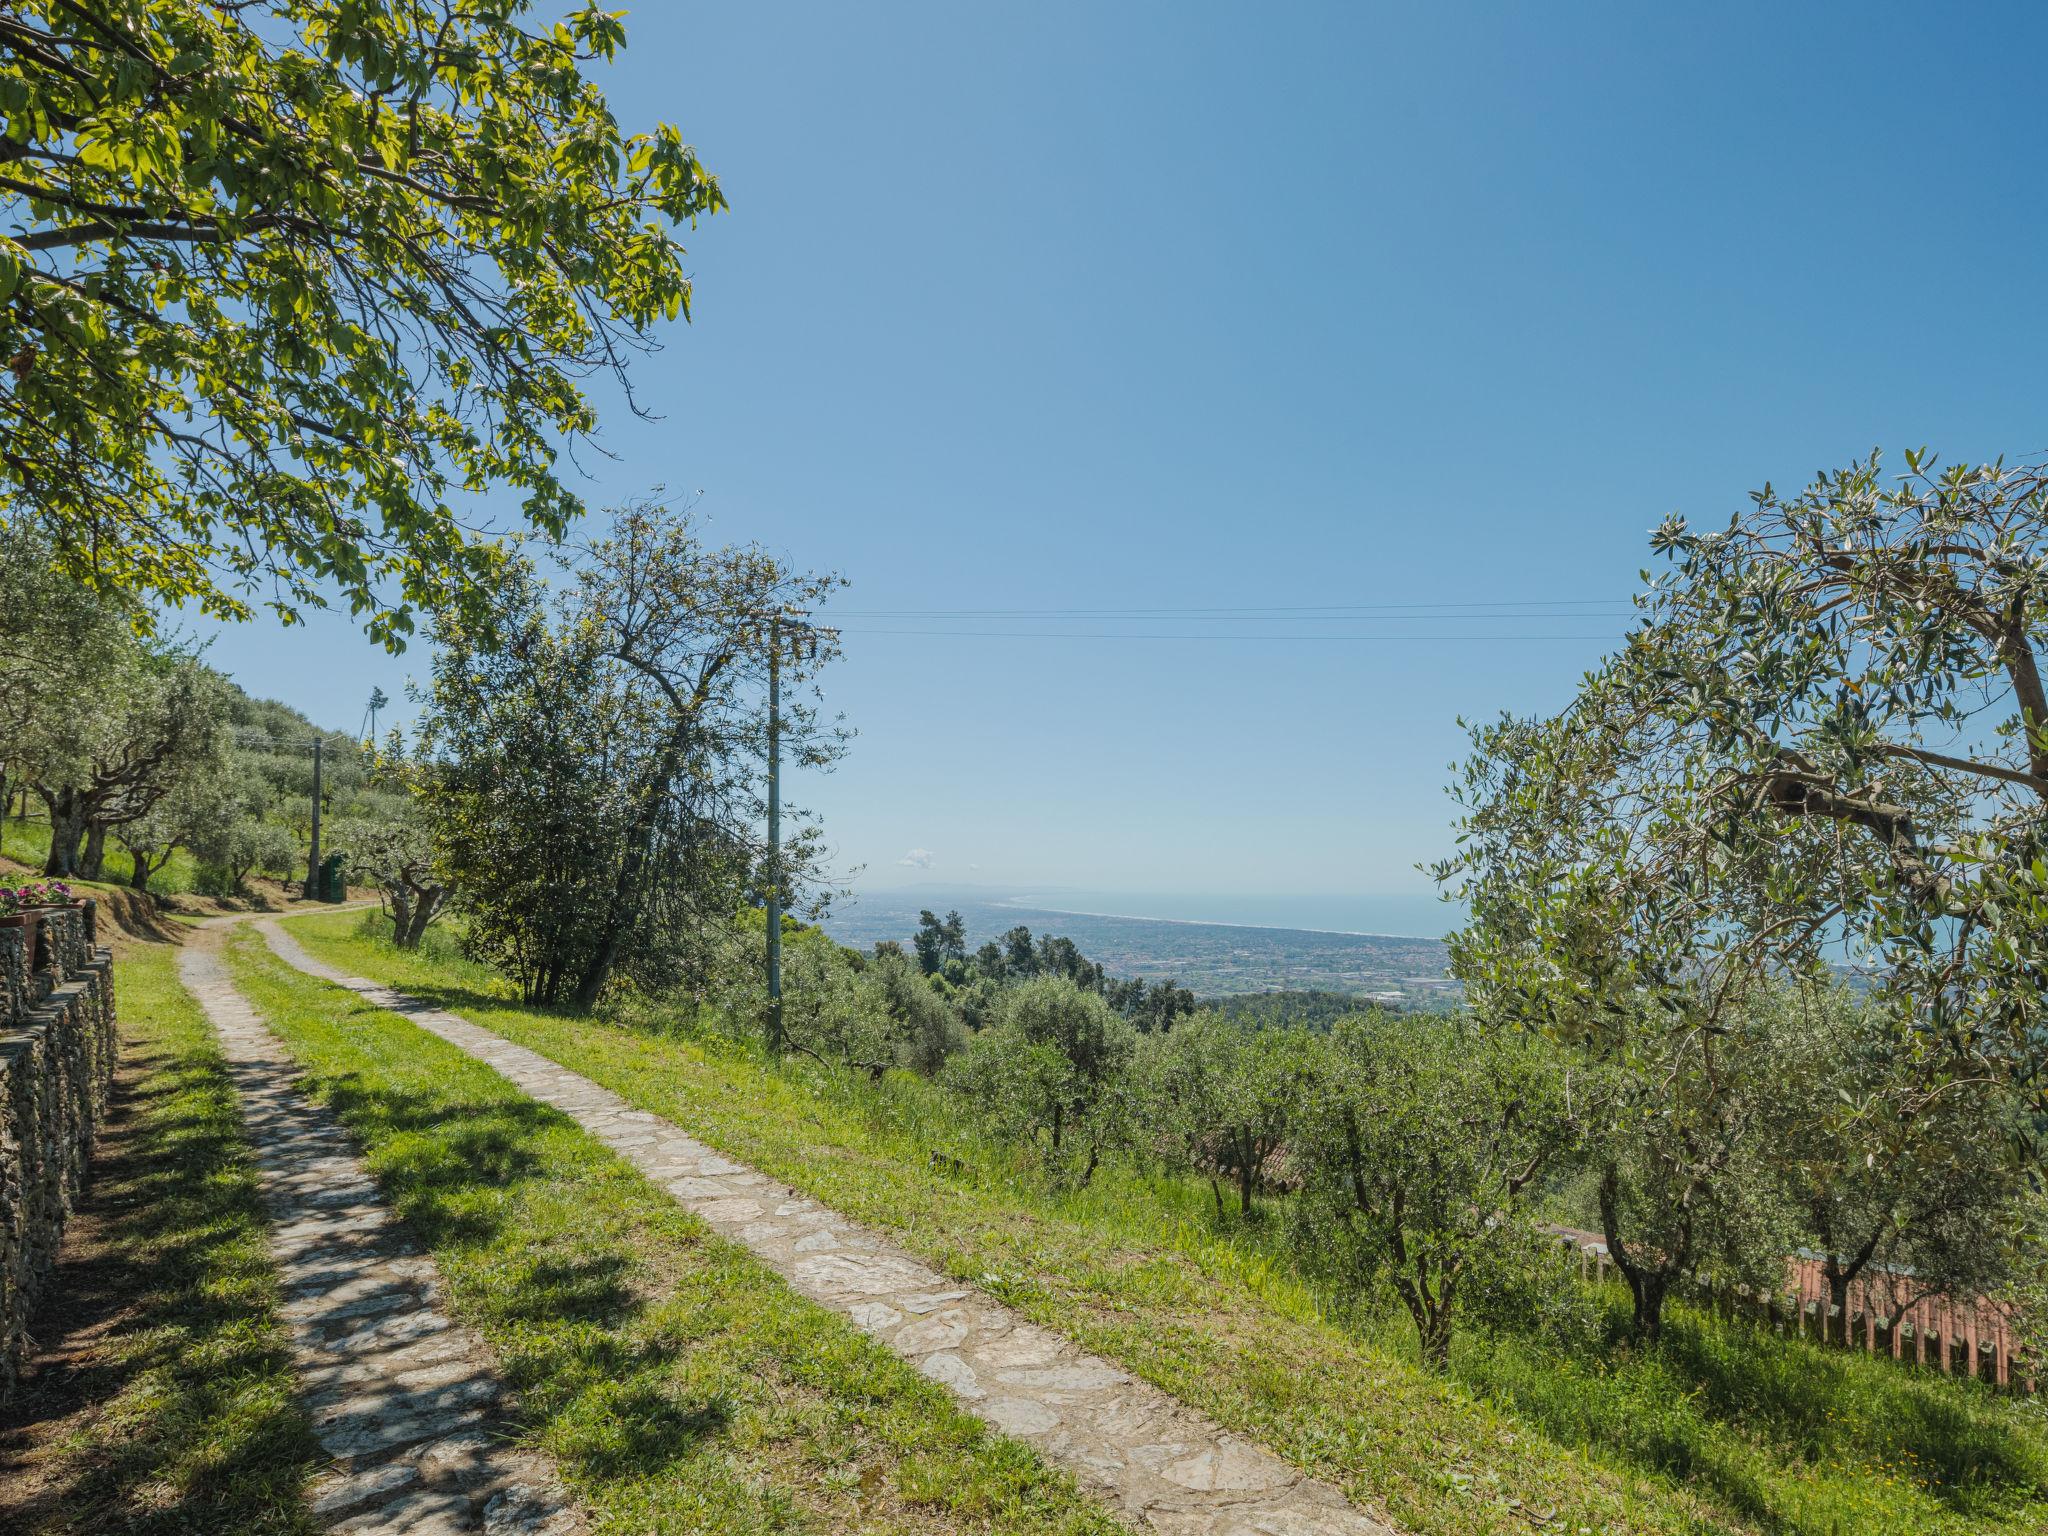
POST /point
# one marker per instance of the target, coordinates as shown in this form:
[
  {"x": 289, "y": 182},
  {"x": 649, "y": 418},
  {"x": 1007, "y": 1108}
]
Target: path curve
[
  {"x": 1156, "y": 1459},
  {"x": 406, "y": 1402}
]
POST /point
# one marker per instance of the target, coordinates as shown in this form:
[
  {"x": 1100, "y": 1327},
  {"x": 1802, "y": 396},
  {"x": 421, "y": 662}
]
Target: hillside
[{"x": 1725, "y": 1429}]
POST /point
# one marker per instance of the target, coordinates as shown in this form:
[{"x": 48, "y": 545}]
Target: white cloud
[{"x": 917, "y": 858}]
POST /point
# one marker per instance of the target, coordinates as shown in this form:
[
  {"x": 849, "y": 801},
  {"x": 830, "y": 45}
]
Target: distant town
[{"x": 1210, "y": 959}]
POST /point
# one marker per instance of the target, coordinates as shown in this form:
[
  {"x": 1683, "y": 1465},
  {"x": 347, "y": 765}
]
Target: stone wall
[{"x": 57, "y": 1049}]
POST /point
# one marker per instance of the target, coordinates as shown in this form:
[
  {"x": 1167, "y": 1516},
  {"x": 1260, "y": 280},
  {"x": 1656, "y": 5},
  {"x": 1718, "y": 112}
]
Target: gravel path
[
  {"x": 406, "y": 1403},
  {"x": 1152, "y": 1457}
]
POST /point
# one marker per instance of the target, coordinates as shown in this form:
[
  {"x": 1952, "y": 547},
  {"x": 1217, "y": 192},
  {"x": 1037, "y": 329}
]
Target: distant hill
[{"x": 1213, "y": 960}]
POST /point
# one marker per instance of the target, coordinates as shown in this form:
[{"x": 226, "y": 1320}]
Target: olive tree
[
  {"x": 155, "y": 722},
  {"x": 1222, "y": 1093},
  {"x": 1053, "y": 1069},
  {"x": 1885, "y": 1168},
  {"x": 1830, "y": 736},
  {"x": 1418, "y": 1151},
  {"x": 868, "y": 1014},
  {"x": 287, "y": 277},
  {"x": 397, "y": 856}
]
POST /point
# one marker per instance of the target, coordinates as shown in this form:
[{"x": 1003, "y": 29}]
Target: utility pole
[
  {"x": 775, "y": 835},
  {"x": 802, "y": 633},
  {"x": 313, "y": 860}
]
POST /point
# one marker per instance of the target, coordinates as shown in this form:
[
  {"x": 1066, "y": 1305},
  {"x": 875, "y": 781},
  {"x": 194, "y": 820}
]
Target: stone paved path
[
  {"x": 1160, "y": 1462},
  {"x": 405, "y": 1402}
]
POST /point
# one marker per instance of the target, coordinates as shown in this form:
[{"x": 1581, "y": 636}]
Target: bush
[{"x": 215, "y": 880}]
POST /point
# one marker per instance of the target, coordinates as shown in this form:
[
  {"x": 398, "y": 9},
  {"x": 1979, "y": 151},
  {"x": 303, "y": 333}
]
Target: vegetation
[
  {"x": 940, "y": 945},
  {"x": 144, "y": 760},
  {"x": 1054, "y": 1066},
  {"x": 289, "y": 276},
  {"x": 178, "y": 1410},
  {"x": 1825, "y": 740},
  {"x": 1544, "y": 1410},
  {"x": 680, "y": 1385},
  {"x": 594, "y": 752},
  {"x": 1419, "y": 1149}
]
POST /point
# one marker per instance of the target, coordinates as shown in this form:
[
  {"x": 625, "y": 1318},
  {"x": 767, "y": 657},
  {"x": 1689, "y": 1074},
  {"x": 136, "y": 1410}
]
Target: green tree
[
  {"x": 598, "y": 742},
  {"x": 1054, "y": 1066},
  {"x": 526, "y": 809},
  {"x": 1830, "y": 728},
  {"x": 113, "y": 756},
  {"x": 1224, "y": 1093},
  {"x": 1884, "y": 1168},
  {"x": 1681, "y": 1128},
  {"x": 1418, "y": 1153},
  {"x": 398, "y": 857},
  {"x": 291, "y": 275}
]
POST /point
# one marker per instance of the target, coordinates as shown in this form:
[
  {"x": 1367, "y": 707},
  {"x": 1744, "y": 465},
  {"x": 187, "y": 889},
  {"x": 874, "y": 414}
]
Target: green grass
[
  {"x": 27, "y": 841},
  {"x": 1720, "y": 1429},
  {"x": 177, "y": 1414},
  {"x": 680, "y": 1384}
]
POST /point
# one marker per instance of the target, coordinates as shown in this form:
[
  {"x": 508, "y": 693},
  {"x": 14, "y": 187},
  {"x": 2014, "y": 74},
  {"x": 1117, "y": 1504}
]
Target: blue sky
[{"x": 1073, "y": 307}]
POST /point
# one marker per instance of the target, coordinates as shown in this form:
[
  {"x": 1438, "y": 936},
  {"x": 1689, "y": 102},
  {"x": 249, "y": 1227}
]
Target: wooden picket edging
[{"x": 1888, "y": 1314}]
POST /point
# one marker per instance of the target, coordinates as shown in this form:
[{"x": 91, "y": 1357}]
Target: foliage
[
  {"x": 941, "y": 949},
  {"x": 597, "y": 749},
  {"x": 292, "y": 275},
  {"x": 1416, "y": 1153},
  {"x": 1308, "y": 1007},
  {"x": 397, "y": 856},
  {"x": 1682, "y": 1129},
  {"x": 1221, "y": 1095},
  {"x": 1888, "y": 1177},
  {"x": 1055, "y": 1065},
  {"x": 1722, "y": 1429},
  {"x": 1830, "y": 728}
]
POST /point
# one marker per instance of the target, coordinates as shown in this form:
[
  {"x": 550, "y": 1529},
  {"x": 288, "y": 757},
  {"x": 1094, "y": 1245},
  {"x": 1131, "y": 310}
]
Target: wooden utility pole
[
  {"x": 775, "y": 836},
  {"x": 313, "y": 859}
]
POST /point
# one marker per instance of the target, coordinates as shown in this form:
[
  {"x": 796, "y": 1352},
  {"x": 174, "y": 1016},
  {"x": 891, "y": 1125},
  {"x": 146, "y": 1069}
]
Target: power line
[
  {"x": 1318, "y": 639},
  {"x": 1590, "y": 607}
]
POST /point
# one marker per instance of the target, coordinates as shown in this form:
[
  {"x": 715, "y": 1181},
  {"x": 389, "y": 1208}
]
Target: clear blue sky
[{"x": 1178, "y": 306}]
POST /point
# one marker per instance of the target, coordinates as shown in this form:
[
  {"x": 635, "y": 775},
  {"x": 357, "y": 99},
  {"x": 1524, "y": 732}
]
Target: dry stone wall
[{"x": 57, "y": 1049}]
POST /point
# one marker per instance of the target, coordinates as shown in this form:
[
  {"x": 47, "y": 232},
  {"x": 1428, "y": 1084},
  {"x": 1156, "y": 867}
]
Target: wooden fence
[{"x": 1889, "y": 1313}]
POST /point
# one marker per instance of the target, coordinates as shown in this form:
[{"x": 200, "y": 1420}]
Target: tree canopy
[
  {"x": 287, "y": 278},
  {"x": 1826, "y": 742}
]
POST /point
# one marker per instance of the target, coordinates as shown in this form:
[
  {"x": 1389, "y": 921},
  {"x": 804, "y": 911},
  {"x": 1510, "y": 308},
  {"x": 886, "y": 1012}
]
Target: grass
[
  {"x": 681, "y": 1386},
  {"x": 169, "y": 1405},
  {"x": 1721, "y": 1429},
  {"x": 27, "y": 841}
]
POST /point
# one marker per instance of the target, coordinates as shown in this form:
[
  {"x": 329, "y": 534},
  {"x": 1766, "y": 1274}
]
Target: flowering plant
[
  {"x": 41, "y": 893},
  {"x": 10, "y": 901}
]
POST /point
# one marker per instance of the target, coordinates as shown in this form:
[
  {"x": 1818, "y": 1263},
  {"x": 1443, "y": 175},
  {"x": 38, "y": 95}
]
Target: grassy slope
[
  {"x": 28, "y": 842},
  {"x": 681, "y": 1385},
  {"x": 172, "y": 1409},
  {"x": 1722, "y": 1430}
]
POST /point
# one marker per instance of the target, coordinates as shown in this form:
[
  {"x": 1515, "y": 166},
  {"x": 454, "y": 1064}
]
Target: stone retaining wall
[{"x": 57, "y": 1049}]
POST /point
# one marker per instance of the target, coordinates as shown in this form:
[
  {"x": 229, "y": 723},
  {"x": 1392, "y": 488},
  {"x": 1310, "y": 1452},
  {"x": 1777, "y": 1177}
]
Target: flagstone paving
[
  {"x": 1151, "y": 1456},
  {"x": 406, "y": 1403}
]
